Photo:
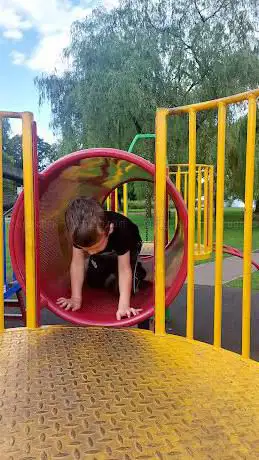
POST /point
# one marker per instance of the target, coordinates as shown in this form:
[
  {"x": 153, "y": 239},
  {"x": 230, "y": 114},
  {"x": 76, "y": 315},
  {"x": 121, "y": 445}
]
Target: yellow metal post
[
  {"x": 29, "y": 218},
  {"x": 248, "y": 226},
  {"x": 211, "y": 207},
  {"x": 219, "y": 223},
  {"x": 160, "y": 205},
  {"x": 191, "y": 223},
  {"x": 116, "y": 200},
  {"x": 108, "y": 203},
  {"x": 185, "y": 186},
  {"x": 1, "y": 231},
  {"x": 205, "y": 208},
  {"x": 199, "y": 210},
  {"x": 125, "y": 199},
  {"x": 178, "y": 187}
]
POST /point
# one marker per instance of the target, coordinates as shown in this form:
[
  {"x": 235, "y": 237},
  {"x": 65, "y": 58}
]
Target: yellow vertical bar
[
  {"x": 29, "y": 219},
  {"x": 178, "y": 179},
  {"x": 185, "y": 187},
  {"x": 125, "y": 199},
  {"x": 205, "y": 208},
  {"x": 167, "y": 217},
  {"x": 191, "y": 223},
  {"x": 178, "y": 187},
  {"x": 160, "y": 205},
  {"x": 219, "y": 223},
  {"x": 211, "y": 207},
  {"x": 108, "y": 203},
  {"x": 116, "y": 200},
  {"x": 1, "y": 231},
  {"x": 248, "y": 226},
  {"x": 199, "y": 210}
]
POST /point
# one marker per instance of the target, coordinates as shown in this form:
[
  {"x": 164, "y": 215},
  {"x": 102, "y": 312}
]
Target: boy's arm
[
  {"x": 125, "y": 285},
  {"x": 77, "y": 274}
]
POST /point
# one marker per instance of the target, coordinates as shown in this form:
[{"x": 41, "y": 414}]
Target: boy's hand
[
  {"x": 126, "y": 310},
  {"x": 70, "y": 304}
]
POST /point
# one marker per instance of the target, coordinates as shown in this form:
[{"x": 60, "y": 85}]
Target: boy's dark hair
[{"x": 86, "y": 220}]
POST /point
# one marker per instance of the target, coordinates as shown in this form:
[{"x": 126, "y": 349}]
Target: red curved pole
[{"x": 236, "y": 253}]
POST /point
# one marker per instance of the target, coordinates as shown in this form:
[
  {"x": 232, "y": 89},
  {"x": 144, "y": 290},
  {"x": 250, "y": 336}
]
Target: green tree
[
  {"x": 236, "y": 160},
  {"x": 46, "y": 153},
  {"x": 145, "y": 54}
]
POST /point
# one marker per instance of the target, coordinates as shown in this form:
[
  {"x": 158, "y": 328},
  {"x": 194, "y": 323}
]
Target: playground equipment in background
[
  {"x": 106, "y": 393},
  {"x": 179, "y": 174}
]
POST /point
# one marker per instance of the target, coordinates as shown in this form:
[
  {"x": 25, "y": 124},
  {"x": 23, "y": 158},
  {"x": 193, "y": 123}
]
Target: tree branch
[
  {"x": 197, "y": 82},
  {"x": 198, "y": 11},
  {"x": 204, "y": 19},
  {"x": 190, "y": 47},
  {"x": 136, "y": 123}
]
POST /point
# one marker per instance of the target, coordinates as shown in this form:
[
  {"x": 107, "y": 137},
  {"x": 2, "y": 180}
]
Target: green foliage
[
  {"x": 236, "y": 158},
  {"x": 145, "y": 54},
  {"x": 46, "y": 153}
]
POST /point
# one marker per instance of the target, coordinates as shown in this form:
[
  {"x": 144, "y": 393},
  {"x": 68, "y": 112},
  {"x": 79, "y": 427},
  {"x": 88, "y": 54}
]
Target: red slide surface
[{"x": 93, "y": 172}]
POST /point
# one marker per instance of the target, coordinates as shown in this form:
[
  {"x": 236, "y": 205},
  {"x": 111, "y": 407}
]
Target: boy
[{"x": 107, "y": 245}]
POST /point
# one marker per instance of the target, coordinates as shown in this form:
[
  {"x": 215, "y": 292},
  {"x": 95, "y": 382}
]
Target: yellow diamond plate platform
[{"x": 79, "y": 394}]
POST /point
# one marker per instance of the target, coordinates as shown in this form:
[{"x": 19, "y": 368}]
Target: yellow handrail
[
  {"x": 191, "y": 110},
  {"x": 214, "y": 103}
]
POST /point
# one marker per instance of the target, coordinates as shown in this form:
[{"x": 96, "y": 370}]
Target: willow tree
[{"x": 149, "y": 53}]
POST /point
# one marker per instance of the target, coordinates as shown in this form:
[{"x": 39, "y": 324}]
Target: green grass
[
  {"x": 238, "y": 283},
  {"x": 233, "y": 227}
]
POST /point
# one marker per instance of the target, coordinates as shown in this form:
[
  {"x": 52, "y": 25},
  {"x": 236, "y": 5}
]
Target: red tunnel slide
[{"x": 94, "y": 172}]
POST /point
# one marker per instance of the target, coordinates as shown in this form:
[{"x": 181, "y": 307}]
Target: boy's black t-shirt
[{"x": 125, "y": 236}]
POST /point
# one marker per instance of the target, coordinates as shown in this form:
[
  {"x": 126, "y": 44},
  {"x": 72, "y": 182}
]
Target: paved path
[{"x": 232, "y": 269}]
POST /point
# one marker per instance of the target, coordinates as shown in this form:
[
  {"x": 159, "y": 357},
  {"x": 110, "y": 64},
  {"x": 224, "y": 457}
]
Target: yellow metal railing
[
  {"x": 179, "y": 174},
  {"x": 161, "y": 154},
  {"x": 29, "y": 217}
]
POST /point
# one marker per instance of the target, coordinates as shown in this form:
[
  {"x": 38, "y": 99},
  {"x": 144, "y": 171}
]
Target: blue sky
[{"x": 32, "y": 36}]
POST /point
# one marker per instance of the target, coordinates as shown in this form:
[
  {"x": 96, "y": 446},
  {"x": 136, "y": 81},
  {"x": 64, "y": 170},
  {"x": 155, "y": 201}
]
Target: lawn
[
  {"x": 238, "y": 283},
  {"x": 233, "y": 227}
]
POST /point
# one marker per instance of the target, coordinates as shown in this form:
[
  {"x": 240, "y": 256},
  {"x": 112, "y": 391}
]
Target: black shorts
[{"x": 103, "y": 268}]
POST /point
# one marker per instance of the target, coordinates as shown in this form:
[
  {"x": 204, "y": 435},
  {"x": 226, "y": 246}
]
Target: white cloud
[
  {"x": 48, "y": 54},
  {"x": 52, "y": 20},
  {"x": 14, "y": 34},
  {"x": 18, "y": 58},
  {"x": 11, "y": 19}
]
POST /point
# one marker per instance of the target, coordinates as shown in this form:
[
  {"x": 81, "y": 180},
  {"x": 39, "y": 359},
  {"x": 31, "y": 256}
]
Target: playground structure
[
  {"x": 99, "y": 393},
  {"x": 179, "y": 174}
]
